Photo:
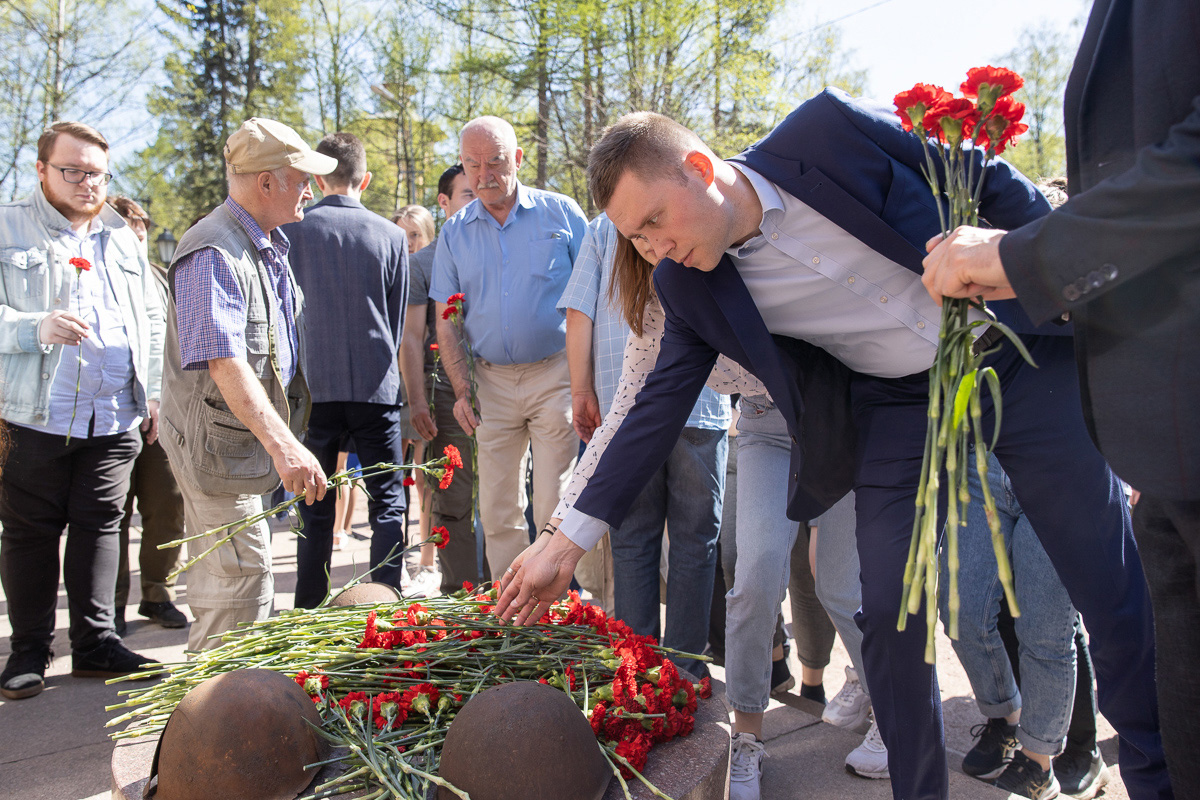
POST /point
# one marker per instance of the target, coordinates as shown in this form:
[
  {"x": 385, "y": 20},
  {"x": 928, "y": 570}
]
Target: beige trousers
[
  {"x": 234, "y": 583},
  {"x": 522, "y": 407}
]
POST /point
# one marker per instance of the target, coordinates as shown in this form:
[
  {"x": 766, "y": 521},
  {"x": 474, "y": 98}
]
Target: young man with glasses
[{"x": 81, "y": 339}]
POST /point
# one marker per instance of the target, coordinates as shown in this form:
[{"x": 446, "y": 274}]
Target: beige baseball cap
[{"x": 261, "y": 145}]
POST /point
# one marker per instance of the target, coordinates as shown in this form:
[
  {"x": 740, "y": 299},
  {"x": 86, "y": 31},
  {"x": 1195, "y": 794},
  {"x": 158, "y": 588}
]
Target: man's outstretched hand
[
  {"x": 966, "y": 264},
  {"x": 537, "y": 577}
]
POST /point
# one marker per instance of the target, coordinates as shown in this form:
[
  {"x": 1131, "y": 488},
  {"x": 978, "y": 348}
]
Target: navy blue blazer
[{"x": 851, "y": 161}]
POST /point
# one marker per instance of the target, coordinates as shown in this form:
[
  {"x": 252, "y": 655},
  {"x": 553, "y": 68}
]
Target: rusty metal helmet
[
  {"x": 538, "y": 744},
  {"x": 366, "y": 594},
  {"x": 248, "y": 734}
]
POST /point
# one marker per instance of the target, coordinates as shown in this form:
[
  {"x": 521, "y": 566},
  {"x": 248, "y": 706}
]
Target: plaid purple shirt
[{"x": 211, "y": 309}]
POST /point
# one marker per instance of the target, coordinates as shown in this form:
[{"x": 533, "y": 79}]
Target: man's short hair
[
  {"x": 129, "y": 209},
  {"x": 446, "y": 182},
  {"x": 87, "y": 133},
  {"x": 351, "y": 157},
  {"x": 645, "y": 143}
]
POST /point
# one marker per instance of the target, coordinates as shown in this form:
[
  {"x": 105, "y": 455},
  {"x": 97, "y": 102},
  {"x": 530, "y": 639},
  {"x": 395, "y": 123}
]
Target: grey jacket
[
  {"x": 36, "y": 279},
  {"x": 205, "y": 442}
]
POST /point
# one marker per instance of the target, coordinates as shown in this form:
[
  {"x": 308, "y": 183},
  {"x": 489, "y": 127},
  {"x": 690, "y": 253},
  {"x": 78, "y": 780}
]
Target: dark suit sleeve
[
  {"x": 651, "y": 429},
  {"x": 1146, "y": 218}
]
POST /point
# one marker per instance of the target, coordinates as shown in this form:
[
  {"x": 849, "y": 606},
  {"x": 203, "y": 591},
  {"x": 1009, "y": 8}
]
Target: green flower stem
[{"x": 346, "y": 478}]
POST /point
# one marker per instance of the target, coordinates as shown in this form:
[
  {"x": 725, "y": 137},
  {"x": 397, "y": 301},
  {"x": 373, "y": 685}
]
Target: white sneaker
[
  {"x": 745, "y": 767},
  {"x": 869, "y": 759},
  {"x": 850, "y": 706},
  {"x": 426, "y": 583}
]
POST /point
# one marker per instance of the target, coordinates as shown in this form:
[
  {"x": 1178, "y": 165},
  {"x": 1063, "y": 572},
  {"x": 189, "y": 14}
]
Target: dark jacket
[
  {"x": 1123, "y": 255},
  {"x": 852, "y": 162},
  {"x": 353, "y": 267}
]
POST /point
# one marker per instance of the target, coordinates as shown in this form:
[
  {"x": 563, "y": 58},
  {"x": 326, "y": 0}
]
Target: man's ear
[
  {"x": 320, "y": 181},
  {"x": 443, "y": 201},
  {"x": 366, "y": 181},
  {"x": 265, "y": 182},
  {"x": 700, "y": 165},
  {"x": 520, "y": 155}
]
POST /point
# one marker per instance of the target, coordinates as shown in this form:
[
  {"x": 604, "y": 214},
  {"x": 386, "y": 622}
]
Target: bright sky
[{"x": 902, "y": 42}]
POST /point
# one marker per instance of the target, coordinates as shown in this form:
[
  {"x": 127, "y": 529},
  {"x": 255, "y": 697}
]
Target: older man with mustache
[{"x": 509, "y": 252}]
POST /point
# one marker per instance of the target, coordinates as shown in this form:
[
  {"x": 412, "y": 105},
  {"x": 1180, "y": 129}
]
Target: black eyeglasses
[{"x": 79, "y": 176}]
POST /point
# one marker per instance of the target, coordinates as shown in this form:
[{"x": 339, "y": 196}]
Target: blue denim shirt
[
  {"x": 512, "y": 274},
  {"x": 97, "y": 391}
]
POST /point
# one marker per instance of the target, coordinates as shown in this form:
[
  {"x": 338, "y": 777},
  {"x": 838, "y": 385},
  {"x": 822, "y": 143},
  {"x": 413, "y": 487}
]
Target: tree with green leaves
[
  {"x": 1044, "y": 60},
  {"x": 57, "y": 66},
  {"x": 230, "y": 60}
]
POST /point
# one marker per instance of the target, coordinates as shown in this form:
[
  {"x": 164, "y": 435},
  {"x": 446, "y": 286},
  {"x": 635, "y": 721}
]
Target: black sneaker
[
  {"x": 1080, "y": 771},
  {"x": 165, "y": 614},
  {"x": 1025, "y": 777},
  {"x": 24, "y": 674},
  {"x": 990, "y": 755},
  {"x": 109, "y": 659}
]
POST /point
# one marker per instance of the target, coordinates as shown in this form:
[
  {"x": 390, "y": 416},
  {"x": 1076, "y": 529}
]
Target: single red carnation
[
  {"x": 990, "y": 83},
  {"x": 80, "y": 264},
  {"x": 457, "y": 297},
  {"x": 453, "y": 456},
  {"x": 389, "y": 705},
  {"x": 1003, "y": 126},
  {"x": 911, "y": 106},
  {"x": 409, "y": 480},
  {"x": 447, "y": 477},
  {"x": 355, "y": 704},
  {"x": 439, "y": 536},
  {"x": 955, "y": 116},
  {"x": 449, "y": 312},
  {"x": 433, "y": 347}
]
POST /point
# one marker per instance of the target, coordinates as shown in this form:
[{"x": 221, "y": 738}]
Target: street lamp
[{"x": 166, "y": 245}]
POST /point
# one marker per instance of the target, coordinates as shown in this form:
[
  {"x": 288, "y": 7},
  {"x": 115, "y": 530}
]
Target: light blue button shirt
[
  {"x": 812, "y": 280},
  {"x": 511, "y": 275},
  {"x": 105, "y": 374},
  {"x": 588, "y": 292}
]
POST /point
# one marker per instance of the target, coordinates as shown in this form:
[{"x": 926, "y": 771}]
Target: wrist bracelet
[{"x": 550, "y": 529}]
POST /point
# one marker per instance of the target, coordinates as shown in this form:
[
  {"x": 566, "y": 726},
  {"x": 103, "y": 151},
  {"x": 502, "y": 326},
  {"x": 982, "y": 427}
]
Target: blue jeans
[
  {"x": 1045, "y": 628},
  {"x": 837, "y": 578},
  {"x": 686, "y": 495},
  {"x": 762, "y": 557}
]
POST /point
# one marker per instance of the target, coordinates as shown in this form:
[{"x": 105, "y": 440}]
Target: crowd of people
[{"x": 715, "y": 390}]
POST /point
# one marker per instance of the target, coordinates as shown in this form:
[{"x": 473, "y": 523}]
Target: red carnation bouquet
[{"x": 960, "y": 134}]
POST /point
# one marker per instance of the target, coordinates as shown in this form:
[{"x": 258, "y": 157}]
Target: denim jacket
[{"x": 35, "y": 279}]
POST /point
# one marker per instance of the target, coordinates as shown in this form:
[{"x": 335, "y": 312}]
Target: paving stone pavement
[{"x": 55, "y": 746}]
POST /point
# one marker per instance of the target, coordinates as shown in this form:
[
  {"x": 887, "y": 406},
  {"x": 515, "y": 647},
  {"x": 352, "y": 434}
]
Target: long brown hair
[{"x": 631, "y": 285}]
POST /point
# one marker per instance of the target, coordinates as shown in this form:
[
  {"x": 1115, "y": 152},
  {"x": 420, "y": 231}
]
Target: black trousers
[
  {"x": 47, "y": 486},
  {"x": 1168, "y": 537},
  {"x": 376, "y": 431}
]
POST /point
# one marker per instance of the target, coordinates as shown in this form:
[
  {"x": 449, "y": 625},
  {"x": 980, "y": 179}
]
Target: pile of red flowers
[
  {"x": 986, "y": 112},
  {"x": 634, "y": 696}
]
